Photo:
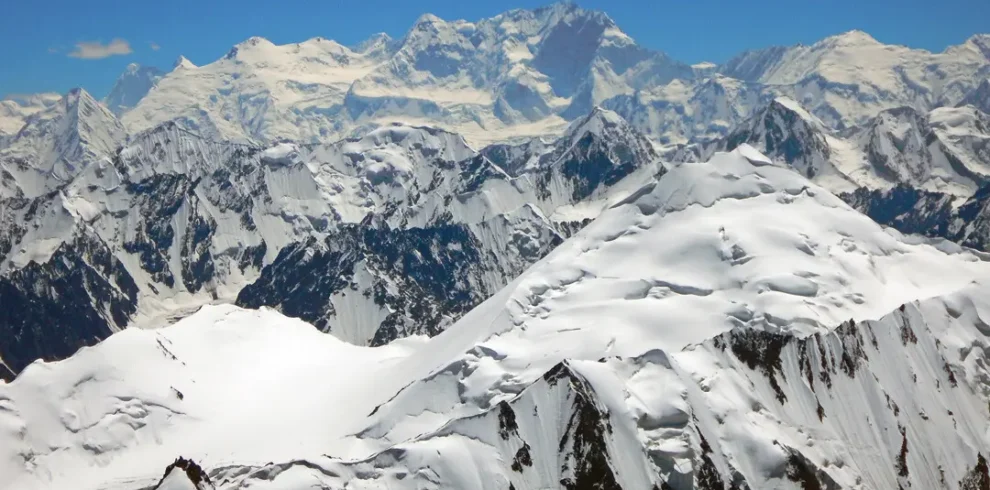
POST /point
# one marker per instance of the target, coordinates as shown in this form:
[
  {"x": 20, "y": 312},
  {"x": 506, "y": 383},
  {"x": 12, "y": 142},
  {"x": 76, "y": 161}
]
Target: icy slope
[{"x": 695, "y": 335}]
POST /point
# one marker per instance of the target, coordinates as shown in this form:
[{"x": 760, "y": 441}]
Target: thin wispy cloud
[
  {"x": 95, "y": 50},
  {"x": 155, "y": 47}
]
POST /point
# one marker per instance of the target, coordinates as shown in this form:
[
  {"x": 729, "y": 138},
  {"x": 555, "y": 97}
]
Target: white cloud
[
  {"x": 155, "y": 47},
  {"x": 95, "y": 50},
  {"x": 52, "y": 50}
]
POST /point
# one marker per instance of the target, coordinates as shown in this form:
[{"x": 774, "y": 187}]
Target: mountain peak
[
  {"x": 428, "y": 19},
  {"x": 854, "y": 37},
  {"x": 131, "y": 86},
  {"x": 251, "y": 43},
  {"x": 562, "y": 7},
  {"x": 76, "y": 96},
  {"x": 598, "y": 120},
  {"x": 377, "y": 42},
  {"x": 182, "y": 62}
]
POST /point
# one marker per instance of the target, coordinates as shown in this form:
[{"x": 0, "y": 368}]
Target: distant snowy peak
[
  {"x": 977, "y": 45},
  {"x": 182, "y": 63},
  {"x": 851, "y": 38},
  {"x": 131, "y": 87},
  {"x": 610, "y": 130},
  {"x": 786, "y": 133},
  {"x": 55, "y": 144},
  {"x": 600, "y": 122},
  {"x": 522, "y": 73},
  {"x": 67, "y": 132},
  {"x": 602, "y": 136},
  {"x": 862, "y": 76},
  {"x": 945, "y": 150},
  {"x": 378, "y": 45},
  {"x": 14, "y": 110}
]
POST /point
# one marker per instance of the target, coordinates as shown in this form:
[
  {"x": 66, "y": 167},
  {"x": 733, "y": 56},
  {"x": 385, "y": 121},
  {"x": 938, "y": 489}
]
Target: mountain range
[
  {"x": 526, "y": 73},
  {"x": 522, "y": 252}
]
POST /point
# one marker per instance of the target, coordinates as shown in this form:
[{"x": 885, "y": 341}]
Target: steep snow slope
[
  {"x": 945, "y": 150},
  {"x": 785, "y": 131},
  {"x": 696, "y": 335}
]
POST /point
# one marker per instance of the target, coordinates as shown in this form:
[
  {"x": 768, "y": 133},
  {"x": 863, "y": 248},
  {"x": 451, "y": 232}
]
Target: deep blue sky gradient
[{"x": 203, "y": 30}]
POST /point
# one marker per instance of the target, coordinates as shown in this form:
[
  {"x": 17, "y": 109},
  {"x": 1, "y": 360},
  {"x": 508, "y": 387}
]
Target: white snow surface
[{"x": 733, "y": 244}]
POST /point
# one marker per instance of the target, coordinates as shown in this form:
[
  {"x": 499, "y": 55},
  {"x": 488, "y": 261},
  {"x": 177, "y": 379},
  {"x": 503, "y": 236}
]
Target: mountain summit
[{"x": 131, "y": 87}]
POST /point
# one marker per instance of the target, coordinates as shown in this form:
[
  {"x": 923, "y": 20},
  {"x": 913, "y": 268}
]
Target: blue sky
[{"x": 39, "y": 37}]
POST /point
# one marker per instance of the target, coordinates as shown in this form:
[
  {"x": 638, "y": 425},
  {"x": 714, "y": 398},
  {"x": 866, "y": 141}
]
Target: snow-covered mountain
[
  {"x": 681, "y": 340},
  {"x": 846, "y": 79},
  {"x": 469, "y": 230},
  {"x": 529, "y": 72},
  {"x": 519, "y": 72},
  {"x": 56, "y": 144},
  {"x": 946, "y": 150},
  {"x": 416, "y": 227},
  {"x": 462, "y": 259},
  {"x": 131, "y": 87}
]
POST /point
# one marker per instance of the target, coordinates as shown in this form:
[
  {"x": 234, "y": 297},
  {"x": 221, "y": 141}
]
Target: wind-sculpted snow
[{"x": 730, "y": 325}]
